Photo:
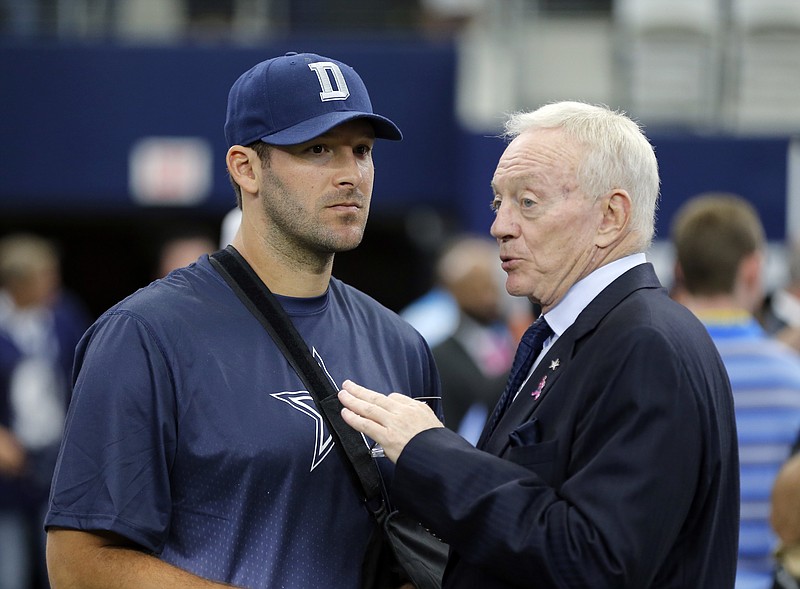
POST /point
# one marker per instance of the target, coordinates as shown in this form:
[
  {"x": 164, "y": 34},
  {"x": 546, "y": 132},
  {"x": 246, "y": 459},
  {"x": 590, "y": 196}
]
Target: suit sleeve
[{"x": 631, "y": 469}]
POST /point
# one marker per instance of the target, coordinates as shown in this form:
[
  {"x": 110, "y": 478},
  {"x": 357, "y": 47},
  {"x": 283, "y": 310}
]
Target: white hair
[{"x": 617, "y": 155}]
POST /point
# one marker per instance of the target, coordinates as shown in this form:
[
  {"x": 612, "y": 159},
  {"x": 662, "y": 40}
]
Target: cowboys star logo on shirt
[{"x": 303, "y": 402}]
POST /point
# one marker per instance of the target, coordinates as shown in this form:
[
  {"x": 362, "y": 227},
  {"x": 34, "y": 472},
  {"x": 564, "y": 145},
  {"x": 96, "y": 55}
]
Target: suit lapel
[
  {"x": 531, "y": 395},
  {"x": 560, "y": 355}
]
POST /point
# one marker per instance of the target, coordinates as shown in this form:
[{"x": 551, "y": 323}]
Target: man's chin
[
  {"x": 345, "y": 244},
  {"x": 515, "y": 289}
]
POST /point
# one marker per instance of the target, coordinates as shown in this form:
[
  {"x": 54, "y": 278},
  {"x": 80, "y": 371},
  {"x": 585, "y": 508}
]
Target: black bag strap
[{"x": 265, "y": 307}]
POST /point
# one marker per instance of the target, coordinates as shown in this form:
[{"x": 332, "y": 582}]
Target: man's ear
[
  {"x": 244, "y": 168},
  {"x": 616, "y": 211}
]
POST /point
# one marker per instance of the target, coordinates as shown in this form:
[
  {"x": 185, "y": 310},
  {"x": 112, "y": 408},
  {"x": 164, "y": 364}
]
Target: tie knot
[{"x": 537, "y": 333}]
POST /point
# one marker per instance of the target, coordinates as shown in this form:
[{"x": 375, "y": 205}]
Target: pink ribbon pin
[{"x": 535, "y": 394}]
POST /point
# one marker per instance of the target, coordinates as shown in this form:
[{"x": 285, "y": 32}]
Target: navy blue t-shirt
[{"x": 189, "y": 433}]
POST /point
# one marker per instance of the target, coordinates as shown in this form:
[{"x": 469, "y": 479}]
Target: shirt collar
[{"x": 583, "y": 292}]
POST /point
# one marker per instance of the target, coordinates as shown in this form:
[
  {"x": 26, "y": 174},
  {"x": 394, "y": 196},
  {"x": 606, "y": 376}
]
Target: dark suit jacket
[{"x": 623, "y": 473}]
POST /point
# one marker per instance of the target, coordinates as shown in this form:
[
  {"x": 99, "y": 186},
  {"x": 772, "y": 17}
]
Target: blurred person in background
[
  {"x": 40, "y": 325},
  {"x": 474, "y": 361},
  {"x": 720, "y": 253},
  {"x": 436, "y": 314},
  {"x": 181, "y": 249},
  {"x": 780, "y": 312}
]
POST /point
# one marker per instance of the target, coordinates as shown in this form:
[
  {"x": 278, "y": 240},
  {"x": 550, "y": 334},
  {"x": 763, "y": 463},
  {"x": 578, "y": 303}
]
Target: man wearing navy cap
[{"x": 193, "y": 455}]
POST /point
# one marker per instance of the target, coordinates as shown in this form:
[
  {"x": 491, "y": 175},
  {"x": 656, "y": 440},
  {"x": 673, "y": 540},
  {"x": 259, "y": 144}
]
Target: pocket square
[{"x": 526, "y": 434}]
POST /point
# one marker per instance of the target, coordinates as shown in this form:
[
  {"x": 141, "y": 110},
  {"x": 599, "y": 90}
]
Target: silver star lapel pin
[{"x": 555, "y": 364}]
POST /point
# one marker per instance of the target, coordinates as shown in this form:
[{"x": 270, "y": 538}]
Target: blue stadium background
[{"x": 72, "y": 111}]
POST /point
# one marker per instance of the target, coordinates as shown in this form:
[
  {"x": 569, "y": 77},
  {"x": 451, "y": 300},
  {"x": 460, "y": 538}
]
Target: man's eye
[
  {"x": 362, "y": 149},
  {"x": 495, "y": 205},
  {"x": 527, "y": 203},
  {"x": 317, "y": 149}
]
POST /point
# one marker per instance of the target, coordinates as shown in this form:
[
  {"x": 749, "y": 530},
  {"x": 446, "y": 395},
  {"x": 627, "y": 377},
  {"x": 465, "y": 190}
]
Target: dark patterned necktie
[{"x": 530, "y": 346}]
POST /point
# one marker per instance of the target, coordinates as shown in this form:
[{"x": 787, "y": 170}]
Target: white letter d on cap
[{"x": 324, "y": 69}]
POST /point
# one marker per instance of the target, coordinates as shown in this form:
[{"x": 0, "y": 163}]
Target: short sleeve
[{"x": 120, "y": 437}]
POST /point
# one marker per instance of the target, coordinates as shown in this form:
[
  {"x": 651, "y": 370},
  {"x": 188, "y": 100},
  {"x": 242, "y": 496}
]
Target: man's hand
[{"x": 389, "y": 420}]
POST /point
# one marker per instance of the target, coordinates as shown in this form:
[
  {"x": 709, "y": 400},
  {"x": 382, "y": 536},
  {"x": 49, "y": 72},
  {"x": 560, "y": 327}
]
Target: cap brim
[{"x": 308, "y": 130}]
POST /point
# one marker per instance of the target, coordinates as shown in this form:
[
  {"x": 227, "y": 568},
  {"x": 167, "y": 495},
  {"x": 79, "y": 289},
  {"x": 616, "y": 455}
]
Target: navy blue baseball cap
[{"x": 293, "y": 98}]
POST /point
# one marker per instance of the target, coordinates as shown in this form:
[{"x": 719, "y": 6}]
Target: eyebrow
[{"x": 517, "y": 180}]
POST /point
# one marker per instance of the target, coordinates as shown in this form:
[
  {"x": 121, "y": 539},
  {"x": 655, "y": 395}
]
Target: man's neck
[
  {"x": 704, "y": 306},
  {"x": 281, "y": 275}
]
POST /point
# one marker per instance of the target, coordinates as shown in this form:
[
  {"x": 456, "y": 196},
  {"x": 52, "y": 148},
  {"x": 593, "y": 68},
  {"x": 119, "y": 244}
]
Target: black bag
[
  {"x": 420, "y": 554},
  {"x": 401, "y": 549}
]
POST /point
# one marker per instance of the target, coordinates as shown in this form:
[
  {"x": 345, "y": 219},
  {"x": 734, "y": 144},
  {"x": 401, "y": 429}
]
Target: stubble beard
[{"x": 304, "y": 235}]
